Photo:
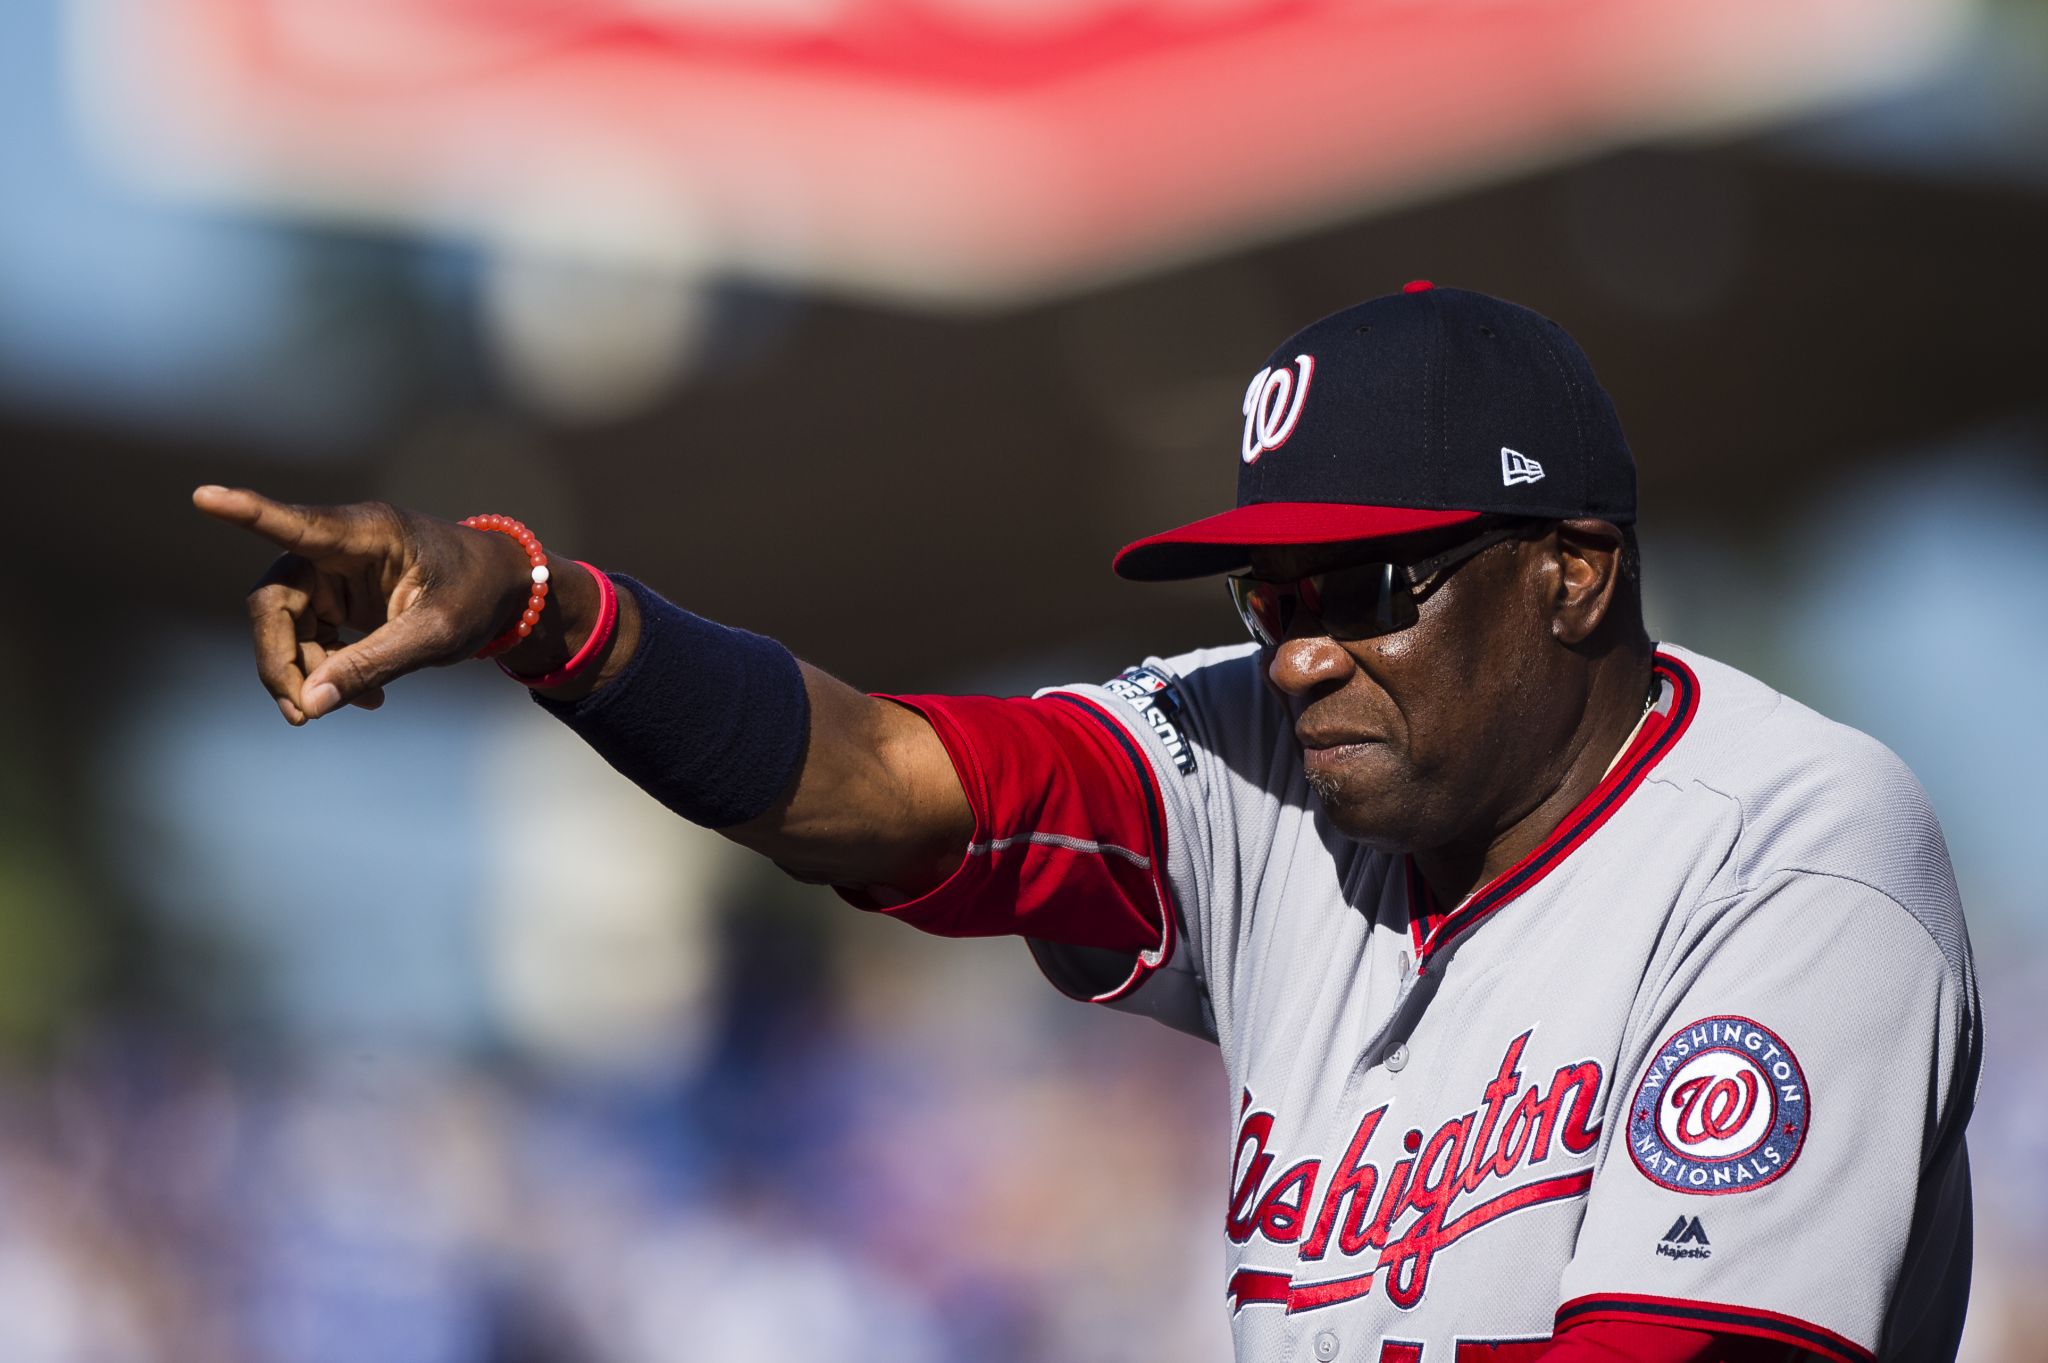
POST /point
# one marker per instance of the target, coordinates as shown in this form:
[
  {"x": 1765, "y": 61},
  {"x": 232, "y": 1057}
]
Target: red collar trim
[{"x": 1677, "y": 702}]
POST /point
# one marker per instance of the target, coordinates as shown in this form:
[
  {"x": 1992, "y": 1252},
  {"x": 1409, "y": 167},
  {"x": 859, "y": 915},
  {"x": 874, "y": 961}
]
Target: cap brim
[{"x": 1223, "y": 543}]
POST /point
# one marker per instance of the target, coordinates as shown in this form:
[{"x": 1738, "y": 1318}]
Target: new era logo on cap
[{"x": 1516, "y": 467}]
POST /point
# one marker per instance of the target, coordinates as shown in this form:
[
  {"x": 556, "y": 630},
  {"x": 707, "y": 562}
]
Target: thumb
[
  {"x": 406, "y": 643},
  {"x": 308, "y": 530}
]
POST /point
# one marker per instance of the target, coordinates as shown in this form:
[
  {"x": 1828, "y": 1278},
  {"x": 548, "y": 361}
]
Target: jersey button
[
  {"x": 1406, "y": 965},
  {"x": 1397, "y": 1059},
  {"x": 1326, "y": 1347}
]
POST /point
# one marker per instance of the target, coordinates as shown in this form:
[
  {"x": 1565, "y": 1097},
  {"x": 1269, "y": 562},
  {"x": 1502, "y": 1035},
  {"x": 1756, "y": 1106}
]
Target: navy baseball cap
[{"x": 1420, "y": 410}]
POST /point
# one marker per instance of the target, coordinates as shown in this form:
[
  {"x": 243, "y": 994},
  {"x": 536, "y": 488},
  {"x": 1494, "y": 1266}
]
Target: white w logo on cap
[{"x": 1272, "y": 405}]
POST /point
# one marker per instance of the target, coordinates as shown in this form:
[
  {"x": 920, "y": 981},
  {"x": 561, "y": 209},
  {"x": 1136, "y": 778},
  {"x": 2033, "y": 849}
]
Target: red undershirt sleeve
[{"x": 1069, "y": 838}]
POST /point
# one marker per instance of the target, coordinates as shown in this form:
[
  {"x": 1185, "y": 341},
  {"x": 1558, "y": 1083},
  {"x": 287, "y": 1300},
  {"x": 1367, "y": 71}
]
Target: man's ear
[{"x": 1587, "y": 578}]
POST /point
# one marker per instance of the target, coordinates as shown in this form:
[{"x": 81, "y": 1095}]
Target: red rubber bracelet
[
  {"x": 536, "y": 556},
  {"x": 600, "y": 635}
]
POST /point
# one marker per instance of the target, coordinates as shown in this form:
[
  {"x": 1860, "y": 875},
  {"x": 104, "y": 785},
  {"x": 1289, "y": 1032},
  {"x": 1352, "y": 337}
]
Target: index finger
[{"x": 303, "y": 529}]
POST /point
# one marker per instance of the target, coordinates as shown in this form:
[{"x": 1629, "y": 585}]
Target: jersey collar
[{"x": 1677, "y": 700}]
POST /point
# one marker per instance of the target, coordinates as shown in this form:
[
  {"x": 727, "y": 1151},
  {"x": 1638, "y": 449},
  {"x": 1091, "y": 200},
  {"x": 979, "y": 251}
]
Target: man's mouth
[
  {"x": 1326, "y": 740},
  {"x": 1323, "y": 761}
]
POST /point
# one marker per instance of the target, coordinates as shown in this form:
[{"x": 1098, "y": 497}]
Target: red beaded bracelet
[
  {"x": 600, "y": 635},
  {"x": 535, "y": 555}
]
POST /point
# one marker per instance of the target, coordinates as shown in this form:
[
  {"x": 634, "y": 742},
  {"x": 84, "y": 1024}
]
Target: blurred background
[{"x": 876, "y": 325}]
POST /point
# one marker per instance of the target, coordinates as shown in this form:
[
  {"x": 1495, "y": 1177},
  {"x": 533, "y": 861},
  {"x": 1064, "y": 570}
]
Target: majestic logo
[
  {"x": 1425, "y": 1195},
  {"x": 1273, "y": 404},
  {"x": 1516, "y": 467},
  {"x": 1153, "y": 696},
  {"x": 1723, "y": 1109},
  {"x": 1687, "y": 1239}
]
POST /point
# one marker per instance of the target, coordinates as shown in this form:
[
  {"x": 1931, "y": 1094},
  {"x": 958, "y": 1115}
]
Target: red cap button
[{"x": 1417, "y": 286}]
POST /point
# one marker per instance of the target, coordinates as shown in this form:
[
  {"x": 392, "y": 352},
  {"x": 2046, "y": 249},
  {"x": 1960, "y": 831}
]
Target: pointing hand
[{"x": 422, "y": 592}]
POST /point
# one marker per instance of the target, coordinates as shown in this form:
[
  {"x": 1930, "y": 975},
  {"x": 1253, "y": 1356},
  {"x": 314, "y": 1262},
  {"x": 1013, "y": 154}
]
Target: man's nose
[{"x": 1308, "y": 662}]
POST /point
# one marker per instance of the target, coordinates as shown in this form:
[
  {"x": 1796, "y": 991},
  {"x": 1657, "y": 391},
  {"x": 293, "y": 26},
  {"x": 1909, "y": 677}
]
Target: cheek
[
  {"x": 1459, "y": 675},
  {"x": 1429, "y": 673}
]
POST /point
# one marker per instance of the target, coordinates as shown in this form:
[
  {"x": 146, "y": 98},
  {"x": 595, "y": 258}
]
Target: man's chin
[{"x": 1381, "y": 824}]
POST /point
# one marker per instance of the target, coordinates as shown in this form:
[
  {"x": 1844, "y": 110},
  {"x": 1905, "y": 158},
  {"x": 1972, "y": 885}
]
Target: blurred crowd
[{"x": 832, "y": 1180}]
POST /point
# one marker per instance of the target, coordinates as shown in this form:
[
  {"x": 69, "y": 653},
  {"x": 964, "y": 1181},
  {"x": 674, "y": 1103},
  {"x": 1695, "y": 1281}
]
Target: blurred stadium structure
[
  {"x": 874, "y": 324},
  {"x": 933, "y": 150}
]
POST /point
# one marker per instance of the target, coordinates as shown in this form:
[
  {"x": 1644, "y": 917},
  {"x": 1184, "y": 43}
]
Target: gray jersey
[{"x": 1703, "y": 1059}]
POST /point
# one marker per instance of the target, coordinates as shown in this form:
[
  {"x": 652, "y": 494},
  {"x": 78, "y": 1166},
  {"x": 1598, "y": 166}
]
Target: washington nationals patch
[{"x": 1723, "y": 1108}]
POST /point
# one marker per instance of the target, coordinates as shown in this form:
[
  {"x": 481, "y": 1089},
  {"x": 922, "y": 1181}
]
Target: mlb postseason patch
[
  {"x": 1723, "y": 1108},
  {"x": 1151, "y": 694}
]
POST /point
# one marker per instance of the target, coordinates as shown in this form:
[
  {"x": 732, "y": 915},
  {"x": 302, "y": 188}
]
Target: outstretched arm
[{"x": 874, "y": 801}]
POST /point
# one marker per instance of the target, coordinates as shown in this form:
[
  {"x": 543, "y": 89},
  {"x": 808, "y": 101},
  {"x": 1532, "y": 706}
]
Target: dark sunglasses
[{"x": 1354, "y": 602}]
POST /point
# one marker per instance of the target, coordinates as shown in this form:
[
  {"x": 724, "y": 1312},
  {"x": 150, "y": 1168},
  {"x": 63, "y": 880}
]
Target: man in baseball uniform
[{"x": 1580, "y": 998}]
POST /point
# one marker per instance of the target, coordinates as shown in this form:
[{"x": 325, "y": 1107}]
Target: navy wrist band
[{"x": 709, "y": 720}]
